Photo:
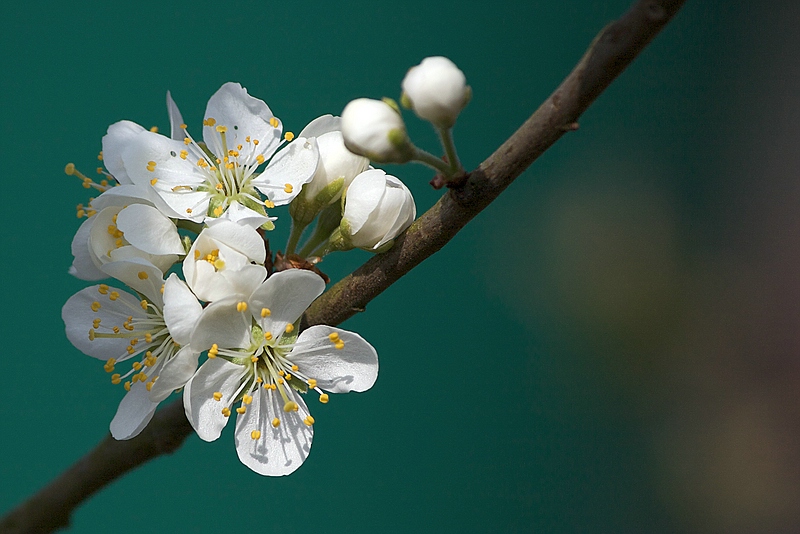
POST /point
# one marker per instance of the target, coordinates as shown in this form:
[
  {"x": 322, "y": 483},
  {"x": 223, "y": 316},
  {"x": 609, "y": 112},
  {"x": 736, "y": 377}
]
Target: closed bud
[
  {"x": 436, "y": 90},
  {"x": 374, "y": 129},
  {"x": 378, "y": 207}
]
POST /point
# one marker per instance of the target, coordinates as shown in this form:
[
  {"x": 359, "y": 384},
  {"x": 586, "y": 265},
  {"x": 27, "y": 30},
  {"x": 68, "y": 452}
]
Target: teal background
[{"x": 612, "y": 346}]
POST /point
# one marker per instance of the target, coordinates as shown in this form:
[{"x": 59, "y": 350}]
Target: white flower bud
[
  {"x": 436, "y": 90},
  {"x": 375, "y": 129},
  {"x": 335, "y": 162},
  {"x": 378, "y": 207}
]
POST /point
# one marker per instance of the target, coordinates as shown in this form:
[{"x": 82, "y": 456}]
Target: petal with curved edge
[
  {"x": 174, "y": 374},
  {"x": 119, "y": 135},
  {"x": 246, "y": 119},
  {"x": 181, "y": 309},
  {"x": 222, "y": 323},
  {"x": 147, "y": 229},
  {"x": 242, "y": 239},
  {"x": 175, "y": 119},
  {"x": 285, "y": 295},
  {"x": 84, "y": 265},
  {"x": 79, "y": 315},
  {"x": 134, "y": 412},
  {"x": 275, "y": 451},
  {"x": 354, "y": 367},
  {"x": 363, "y": 197},
  {"x": 241, "y": 215},
  {"x": 202, "y": 410},
  {"x": 321, "y": 125},
  {"x": 286, "y": 173},
  {"x": 139, "y": 274}
]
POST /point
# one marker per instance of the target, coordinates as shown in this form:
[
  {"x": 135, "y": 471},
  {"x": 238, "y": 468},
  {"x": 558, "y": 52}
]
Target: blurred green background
[{"x": 612, "y": 346}]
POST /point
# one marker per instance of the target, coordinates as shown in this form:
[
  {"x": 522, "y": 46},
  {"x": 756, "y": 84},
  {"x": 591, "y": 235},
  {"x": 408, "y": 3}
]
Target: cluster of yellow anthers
[
  {"x": 212, "y": 258},
  {"x": 70, "y": 170},
  {"x": 154, "y": 325}
]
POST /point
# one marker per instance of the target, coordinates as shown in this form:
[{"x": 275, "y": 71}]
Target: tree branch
[{"x": 610, "y": 53}]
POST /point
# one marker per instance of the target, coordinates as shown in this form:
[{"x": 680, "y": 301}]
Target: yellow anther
[
  {"x": 211, "y": 121},
  {"x": 219, "y": 187},
  {"x": 324, "y": 398},
  {"x": 149, "y": 385},
  {"x": 104, "y": 183},
  {"x": 81, "y": 214},
  {"x": 189, "y": 211},
  {"x": 87, "y": 184},
  {"x": 118, "y": 243},
  {"x": 288, "y": 188},
  {"x": 339, "y": 345},
  {"x": 276, "y": 423},
  {"x": 100, "y": 156},
  {"x": 151, "y": 163},
  {"x": 154, "y": 129},
  {"x": 312, "y": 383},
  {"x": 288, "y": 136},
  {"x": 184, "y": 154},
  {"x": 255, "y": 434},
  {"x": 111, "y": 229},
  {"x": 260, "y": 159},
  {"x": 217, "y": 395},
  {"x": 290, "y": 406},
  {"x": 229, "y": 166},
  {"x": 136, "y": 365},
  {"x": 259, "y": 379},
  {"x": 265, "y": 312},
  {"x": 218, "y": 211},
  {"x": 255, "y": 142},
  {"x": 238, "y": 147},
  {"x": 254, "y": 359},
  {"x": 116, "y": 378},
  {"x": 96, "y": 323},
  {"x": 241, "y": 410},
  {"x": 154, "y": 181},
  {"x": 142, "y": 275},
  {"x": 219, "y": 265},
  {"x": 144, "y": 304},
  {"x": 288, "y": 377},
  {"x": 218, "y": 161},
  {"x": 183, "y": 126},
  {"x": 289, "y": 328},
  {"x": 241, "y": 306},
  {"x": 102, "y": 289},
  {"x": 109, "y": 365},
  {"x": 187, "y": 141},
  {"x": 127, "y": 385},
  {"x": 221, "y": 129},
  {"x": 308, "y": 420},
  {"x": 113, "y": 295},
  {"x": 273, "y": 122},
  {"x": 196, "y": 254},
  {"x": 280, "y": 381},
  {"x": 247, "y": 399},
  {"x": 95, "y": 306},
  {"x": 247, "y": 139},
  {"x": 334, "y": 337},
  {"x": 69, "y": 170},
  {"x": 295, "y": 368},
  {"x": 281, "y": 372},
  {"x": 148, "y": 337},
  {"x": 142, "y": 377},
  {"x": 226, "y": 412},
  {"x": 116, "y": 329},
  {"x": 269, "y": 204}
]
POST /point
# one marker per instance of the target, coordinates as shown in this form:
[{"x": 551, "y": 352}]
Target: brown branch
[{"x": 613, "y": 49}]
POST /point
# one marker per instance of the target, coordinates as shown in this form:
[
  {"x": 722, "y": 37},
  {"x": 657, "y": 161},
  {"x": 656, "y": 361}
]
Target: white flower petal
[
  {"x": 119, "y": 135},
  {"x": 244, "y": 117},
  {"x": 174, "y": 374},
  {"x": 286, "y": 173},
  {"x": 366, "y": 192},
  {"x": 203, "y": 412},
  {"x": 223, "y": 324},
  {"x": 277, "y": 450},
  {"x": 242, "y": 239},
  {"x": 84, "y": 266},
  {"x": 181, "y": 309},
  {"x": 134, "y": 412},
  {"x": 321, "y": 125},
  {"x": 286, "y": 294},
  {"x": 139, "y": 274},
  {"x": 241, "y": 215},
  {"x": 147, "y": 229},
  {"x": 175, "y": 119},
  {"x": 78, "y": 316},
  {"x": 352, "y": 368}
]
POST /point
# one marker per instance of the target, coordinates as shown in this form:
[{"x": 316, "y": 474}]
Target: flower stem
[
  {"x": 294, "y": 236},
  {"x": 446, "y": 136},
  {"x": 426, "y": 158}
]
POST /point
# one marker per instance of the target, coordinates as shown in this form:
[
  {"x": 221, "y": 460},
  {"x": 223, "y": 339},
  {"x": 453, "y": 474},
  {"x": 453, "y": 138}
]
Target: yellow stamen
[
  {"x": 265, "y": 312},
  {"x": 255, "y": 434},
  {"x": 308, "y": 420},
  {"x": 116, "y": 378},
  {"x": 226, "y": 412},
  {"x": 276, "y": 423},
  {"x": 142, "y": 275},
  {"x": 288, "y": 188},
  {"x": 217, "y": 395},
  {"x": 324, "y": 398},
  {"x": 290, "y": 406},
  {"x": 273, "y": 122},
  {"x": 247, "y": 399},
  {"x": 241, "y": 306},
  {"x": 241, "y": 410},
  {"x": 289, "y": 328},
  {"x": 312, "y": 383}
]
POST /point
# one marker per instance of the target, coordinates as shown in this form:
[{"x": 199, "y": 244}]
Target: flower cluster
[{"x": 182, "y": 222}]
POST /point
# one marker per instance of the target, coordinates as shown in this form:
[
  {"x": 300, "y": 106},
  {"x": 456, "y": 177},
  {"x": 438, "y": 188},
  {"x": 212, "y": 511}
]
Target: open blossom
[
  {"x": 257, "y": 360},
  {"x": 241, "y": 134},
  {"x": 436, "y": 90},
  {"x": 377, "y": 208},
  {"x": 114, "y": 326}
]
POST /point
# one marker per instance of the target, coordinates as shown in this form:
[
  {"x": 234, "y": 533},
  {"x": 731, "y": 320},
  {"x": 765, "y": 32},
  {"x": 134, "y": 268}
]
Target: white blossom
[
  {"x": 374, "y": 129},
  {"x": 436, "y": 90}
]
